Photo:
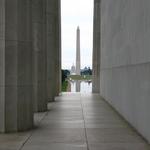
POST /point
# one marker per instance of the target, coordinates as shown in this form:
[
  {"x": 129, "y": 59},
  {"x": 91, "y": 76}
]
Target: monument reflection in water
[{"x": 81, "y": 86}]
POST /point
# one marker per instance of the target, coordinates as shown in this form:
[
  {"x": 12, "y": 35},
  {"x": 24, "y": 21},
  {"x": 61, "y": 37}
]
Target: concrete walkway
[{"x": 76, "y": 122}]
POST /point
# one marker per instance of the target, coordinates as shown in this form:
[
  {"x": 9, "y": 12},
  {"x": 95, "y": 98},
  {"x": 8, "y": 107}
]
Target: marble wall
[{"x": 125, "y": 60}]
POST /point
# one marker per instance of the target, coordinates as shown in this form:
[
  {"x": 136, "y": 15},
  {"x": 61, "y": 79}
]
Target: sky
[{"x": 76, "y": 13}]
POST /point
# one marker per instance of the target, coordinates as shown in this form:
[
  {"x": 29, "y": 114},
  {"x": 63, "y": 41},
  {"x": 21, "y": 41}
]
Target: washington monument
[{"x": 78, "y": 52}]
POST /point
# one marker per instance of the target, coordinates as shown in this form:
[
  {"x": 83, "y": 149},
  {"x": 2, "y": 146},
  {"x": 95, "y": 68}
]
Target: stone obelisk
[{"x": 78, "y": 52}]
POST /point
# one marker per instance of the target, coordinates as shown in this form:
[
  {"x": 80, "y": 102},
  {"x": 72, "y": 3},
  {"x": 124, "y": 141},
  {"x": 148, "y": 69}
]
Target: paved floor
[{"x": 76, "y": 122}]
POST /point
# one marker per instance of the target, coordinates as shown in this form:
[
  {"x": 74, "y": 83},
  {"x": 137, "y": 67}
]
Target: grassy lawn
[
  {"x": 64, "y": 86},
  {"x": 79, "y": 77}
]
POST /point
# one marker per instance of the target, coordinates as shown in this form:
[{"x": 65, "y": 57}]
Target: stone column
[
  {"x": 16, "y": 112},
  {"x": 53, "y": 48},
  {"x": 39, "y": 54},
  {"x": 59, "y": 80},
  {"x": 96, "y": 47}
]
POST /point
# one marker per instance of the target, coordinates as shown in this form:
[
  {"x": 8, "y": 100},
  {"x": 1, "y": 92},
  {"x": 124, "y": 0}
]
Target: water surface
[{"x": 81, "y": 86}]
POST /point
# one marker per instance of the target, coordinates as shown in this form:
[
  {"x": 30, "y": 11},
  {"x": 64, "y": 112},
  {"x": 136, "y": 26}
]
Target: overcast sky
[{"x": 77, "y": 13}]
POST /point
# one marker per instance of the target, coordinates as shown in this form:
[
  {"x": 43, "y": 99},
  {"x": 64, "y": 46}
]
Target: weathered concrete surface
[
  {"x": 77, "y": 122},
  {"x": 53, "y": 48},
  {"x": 15, "y": 66},
  {"x": 39, "y": 55},
  {"x": 125, "y": 59},
  {"x": 96, "y": 47}
]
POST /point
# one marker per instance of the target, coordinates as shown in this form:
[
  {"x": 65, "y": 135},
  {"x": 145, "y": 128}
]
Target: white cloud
[{"x": 74, "y": 13}]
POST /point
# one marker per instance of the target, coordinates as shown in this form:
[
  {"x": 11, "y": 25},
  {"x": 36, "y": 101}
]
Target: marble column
[
  {"x": 53, "y": 48},
  {"x": 96, "y": 47},
  {"x": 39, "y": 55},
  {"x": 16, "y": 113}
]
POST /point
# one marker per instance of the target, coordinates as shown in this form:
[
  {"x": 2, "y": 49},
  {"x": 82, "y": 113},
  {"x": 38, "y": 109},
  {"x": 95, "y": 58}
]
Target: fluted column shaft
[
  {"x": 96, "y": 47},
  {"x": 53, "y": 48},
  {"x": 16, "y": 112},
  {"x": 39, "y": 54}
]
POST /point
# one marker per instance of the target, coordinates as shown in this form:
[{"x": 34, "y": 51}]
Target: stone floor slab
[
  {"x": 55, "y": 146},
  {"x": 119, "y": 146},
  {"x": 77, "y": 122}
]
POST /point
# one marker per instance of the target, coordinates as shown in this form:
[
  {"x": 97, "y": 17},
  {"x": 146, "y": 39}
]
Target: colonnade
[{"x": 30, "y": 60}]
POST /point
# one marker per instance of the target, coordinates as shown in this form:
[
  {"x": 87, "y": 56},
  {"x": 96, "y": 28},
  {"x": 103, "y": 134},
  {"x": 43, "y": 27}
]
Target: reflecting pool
[{"x": 81, "y": 86}]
